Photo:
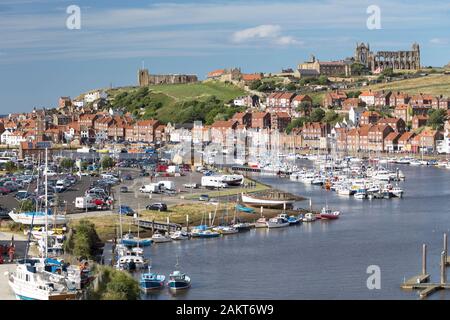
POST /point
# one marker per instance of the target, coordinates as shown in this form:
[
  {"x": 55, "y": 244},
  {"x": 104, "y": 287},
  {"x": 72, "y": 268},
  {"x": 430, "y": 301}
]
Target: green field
[
  {"x": 435, "y": 84},
  {"x": 200, "y": 90},
  {"x": 169, "y": 103}
]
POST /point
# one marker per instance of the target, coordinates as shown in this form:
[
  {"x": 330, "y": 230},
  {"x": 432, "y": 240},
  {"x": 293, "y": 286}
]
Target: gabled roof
[
  {"x": 216, "y": 73},
  {"x": 392, "y": 136},
  {"x": 406, "y": 136}
]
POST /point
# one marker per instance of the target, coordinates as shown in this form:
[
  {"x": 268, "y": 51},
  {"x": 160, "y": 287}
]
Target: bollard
[
  {"x": 445, "y": 246},
  {"x": 424, "y": 259}
]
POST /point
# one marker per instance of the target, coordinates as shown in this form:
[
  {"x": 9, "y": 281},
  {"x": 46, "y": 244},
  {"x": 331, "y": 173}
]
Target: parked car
[
  {"x": 203, "y": 197},
  {"x": 12, "y": 186},
  {"x": 4, "y": 191},
  {"x": 4, "y": 212},
  {"x": 127, "y": 177},
  {"x": 190, "y": 185},
  {"x": 22, "y": 195},
  {"x": 126, "y": 210},
  {"x": 123, "y": 189},
  {"x": 157, "y": 206}
]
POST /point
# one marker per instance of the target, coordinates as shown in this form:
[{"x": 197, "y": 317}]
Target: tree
[
  {"x": 121, "y": 286},
  {"x": 295, "y": 123},
  {"x": 331, "y": 117},
  {"x": 317, "y": 115},
  {"x": 67, "y": 163},
  {"x": 291, "y": 86},
  {"x": 255, "y": 84},
  {"x": 359, "y": 69},
  {"x": 82, "y": 240},
  {"x": 107, "y": 162},
  {"x": 353, "y": 94},
  {"x": 303, "y": 108},
  {"x": 27, "y": 206},
  {"x": 323, "y": 80},
  {"x": 388, "y": 72},
  {"x": 437, "y": 118},
  {"x": 10, "y": 167}
]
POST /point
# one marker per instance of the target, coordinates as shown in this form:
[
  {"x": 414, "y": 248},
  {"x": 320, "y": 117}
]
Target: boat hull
[
  {"x": 267, "y": 203},
  {"x": 178, "y": 285},
  {"x": 27, "y": 219},
  {"x": 151, "y": 285},
  {"x": 272, "y": 225}
]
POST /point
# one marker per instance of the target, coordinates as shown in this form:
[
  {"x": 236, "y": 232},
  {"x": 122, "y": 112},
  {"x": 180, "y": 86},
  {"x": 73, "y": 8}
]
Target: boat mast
[{"x": 46, "y": 203}]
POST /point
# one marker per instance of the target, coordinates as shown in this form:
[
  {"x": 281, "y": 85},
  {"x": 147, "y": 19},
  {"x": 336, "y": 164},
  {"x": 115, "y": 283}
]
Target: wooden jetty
[
  {"x": 422, "y": 282},
  {"x": 157, "y": 225}
]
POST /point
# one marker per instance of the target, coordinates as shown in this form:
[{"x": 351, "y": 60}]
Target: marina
[{"x": 384, "y": 233}]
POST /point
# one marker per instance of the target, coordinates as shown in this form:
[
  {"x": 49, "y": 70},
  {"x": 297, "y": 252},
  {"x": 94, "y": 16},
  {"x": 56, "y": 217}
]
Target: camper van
[
  {"x": 213, "y": 182},
  {"x": 150, "y": 188},
  {"x": 85, "y": 203},
  {"x": 168, "y": 185}
]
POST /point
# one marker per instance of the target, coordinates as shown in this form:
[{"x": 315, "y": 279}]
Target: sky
[{"x": 42, "y": 59}]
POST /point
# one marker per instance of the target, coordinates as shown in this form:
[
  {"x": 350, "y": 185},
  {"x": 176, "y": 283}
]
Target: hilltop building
[
  {"x": 146, "y": 79},
  {"x": 397, "y": 60}
]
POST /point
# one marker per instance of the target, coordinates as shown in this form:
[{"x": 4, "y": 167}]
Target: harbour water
[{"x": 324, "y": 259}]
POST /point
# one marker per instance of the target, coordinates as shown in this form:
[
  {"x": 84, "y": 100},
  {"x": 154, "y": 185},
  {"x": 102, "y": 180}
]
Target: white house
[
  {"x": 5, "y": 136},
  {"x": 368, "y": 97},
  {"x": 13, "y": 139},
  {"x": 94, "y": 95},
  {"x": 354, "y": 115},
  {"x": 443, "y": 146},
  {"x": 78, "y": 103}
]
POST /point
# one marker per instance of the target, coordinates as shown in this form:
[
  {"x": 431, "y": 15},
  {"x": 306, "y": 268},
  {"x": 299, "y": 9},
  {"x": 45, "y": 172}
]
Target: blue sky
[{"x": 40, "y": 59}]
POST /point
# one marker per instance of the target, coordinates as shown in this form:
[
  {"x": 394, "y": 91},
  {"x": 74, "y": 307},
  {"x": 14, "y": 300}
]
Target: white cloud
[
  {"x": 271, "y": 33},
  {"x": 439, "y": 41},
  {"x": 261, "y": 32},
  {"x": 287, "y": 40}
]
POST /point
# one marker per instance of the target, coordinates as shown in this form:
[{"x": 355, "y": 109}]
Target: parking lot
[{"x": 133, "y": 179}]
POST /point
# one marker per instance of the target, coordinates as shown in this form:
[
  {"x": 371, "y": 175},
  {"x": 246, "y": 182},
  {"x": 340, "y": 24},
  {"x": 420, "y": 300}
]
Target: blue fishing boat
[
  {"x": 130, "y": 241},
  {"x": 295, "y": 219},
  {"x": 208, "y": 234},
  {"x": 245, "y": 209},
  {"x": 195, "y": 231},
  {"x": 151, "y": 281},
  {"x": 178, "y": 281}
]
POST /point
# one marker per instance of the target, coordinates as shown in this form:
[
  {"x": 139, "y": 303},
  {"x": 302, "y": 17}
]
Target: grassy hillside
[
  {"x": 435, "y": 84},
  {"x": 432, "y": 84},
  {"x": 221, "y": 91},
  {"x": 178, "y": 103}
]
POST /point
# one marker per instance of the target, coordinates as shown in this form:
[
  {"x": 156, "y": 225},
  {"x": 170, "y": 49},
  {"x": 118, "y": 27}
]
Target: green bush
[
  {"x": 122, "y": 286},
  {"x": 82, "y": 240}
]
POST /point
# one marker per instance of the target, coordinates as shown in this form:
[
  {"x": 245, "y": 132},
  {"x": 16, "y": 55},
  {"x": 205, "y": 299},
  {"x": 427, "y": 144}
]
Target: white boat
[
  {"x": 261, "y": 223},
  {"x": 28, "y": 283},
  {"x": 159, "y": 238},
  {"x": 361, "y": 194},
  {"x": 277, "y": 222},
  {"x": 132, "y": 262},
  {"x": 266, "y": 202},
  {"x": 226, "y": 230},
  {"x": 37, "y": 218},
  {"x": 344, "y": 191},
  {"x": 415, "y": 163},
  {"x": 398, "y": 192},
  {"x": 309, "y": 217},
  {"x": 179, "y": 235}
]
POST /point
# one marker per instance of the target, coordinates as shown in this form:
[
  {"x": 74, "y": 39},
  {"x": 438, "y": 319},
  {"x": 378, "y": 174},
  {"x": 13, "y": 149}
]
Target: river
[{"x": 324, "y": 259}]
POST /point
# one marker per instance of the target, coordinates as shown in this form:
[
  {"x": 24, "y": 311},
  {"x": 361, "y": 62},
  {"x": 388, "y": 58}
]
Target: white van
[
  {"x": 213, "y": 182},
  {"x": 150, "y": 188},
  {"x": 168, "y": 185}
]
